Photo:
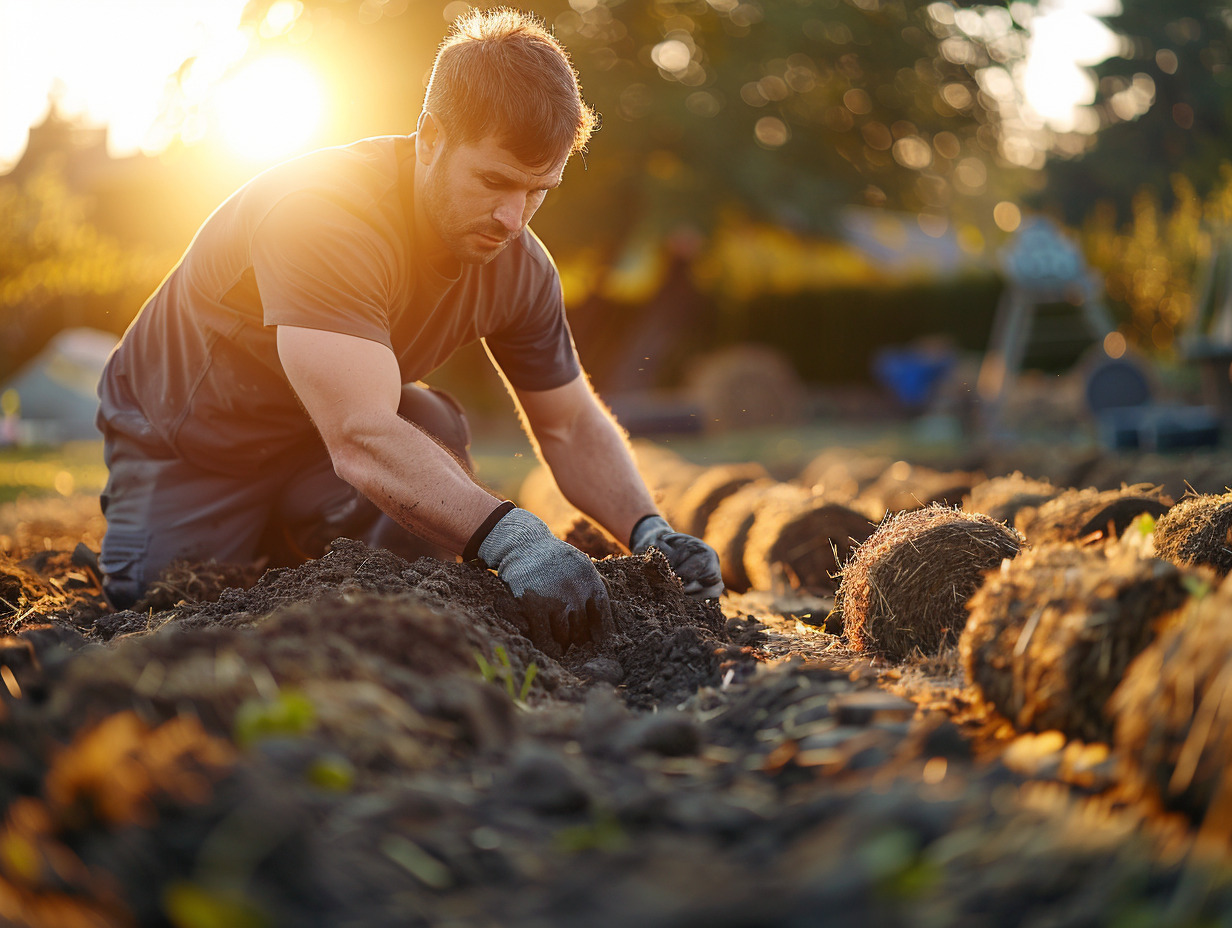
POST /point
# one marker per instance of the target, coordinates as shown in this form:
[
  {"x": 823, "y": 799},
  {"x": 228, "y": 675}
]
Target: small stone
[
  {"x": 544, "y": 782},
  {"x": 602, "y": 670},
  {"x": 667, "y": 734}
]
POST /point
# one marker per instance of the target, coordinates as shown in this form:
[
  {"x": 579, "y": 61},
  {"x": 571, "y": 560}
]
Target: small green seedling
[
  {"x": 504, "y": 673},
  {"x": 1197, "y": 587},
  {"x": 289, "y": 714}
]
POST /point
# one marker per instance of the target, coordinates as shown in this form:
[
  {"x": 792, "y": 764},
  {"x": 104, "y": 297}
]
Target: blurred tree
[
  {"x": 1167, "y": 98},
  {"x": 773, "y": 111},
  {"x": 57, "y": 270}
]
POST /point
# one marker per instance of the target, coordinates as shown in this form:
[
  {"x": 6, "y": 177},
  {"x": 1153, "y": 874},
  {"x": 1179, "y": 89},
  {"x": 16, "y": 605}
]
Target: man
[{"x": 266, "y": 394}]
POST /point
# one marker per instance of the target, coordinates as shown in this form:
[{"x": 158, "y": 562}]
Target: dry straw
[
  {"x": 1197, "y": 530},
  {"x": 905, "y": 590},
  {"x": 1090, "y": 514},
  {"x": 1050, "y": 634},
  {"x": 1173, "y": 714}
]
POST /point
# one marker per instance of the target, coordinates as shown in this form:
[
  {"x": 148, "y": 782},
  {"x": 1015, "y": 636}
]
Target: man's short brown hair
[{"x": 500, "y": 72}]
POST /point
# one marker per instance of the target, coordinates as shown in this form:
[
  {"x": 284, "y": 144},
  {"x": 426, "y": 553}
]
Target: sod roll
[
  {"x": 904, "y": 486},
  {"x": 727, "y": 530},
  {"x": 1173, "y": 714},
  {"x": 697, "y": 501},
  {"x": 1090, "y": 514},
  {"x": 1002, "y": 497},
  {"x": 808, "y": 541},
  {"x": 906, "y": 588},
  {"x": 1050, "y": 634},
  {"x": 1197, "y": 531}
]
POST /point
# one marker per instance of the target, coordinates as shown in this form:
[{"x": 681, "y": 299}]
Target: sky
[{"x": 112, "y": 61}]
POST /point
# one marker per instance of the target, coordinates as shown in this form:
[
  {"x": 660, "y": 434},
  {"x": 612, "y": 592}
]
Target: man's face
[{"x": 477, "y": 197}]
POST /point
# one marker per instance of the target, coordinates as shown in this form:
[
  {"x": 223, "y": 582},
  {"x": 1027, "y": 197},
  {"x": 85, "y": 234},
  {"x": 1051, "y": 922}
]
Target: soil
[{"x": 363, "y": 741}]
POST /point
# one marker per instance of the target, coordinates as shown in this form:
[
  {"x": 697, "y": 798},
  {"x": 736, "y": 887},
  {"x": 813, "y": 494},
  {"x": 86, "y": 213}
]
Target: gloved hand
[
  {"x": 692, "y": 560},
  {"x": 563, "y": 596}
]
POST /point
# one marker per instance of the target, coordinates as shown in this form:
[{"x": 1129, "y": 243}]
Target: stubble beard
[{"x": 439, "y": 212}]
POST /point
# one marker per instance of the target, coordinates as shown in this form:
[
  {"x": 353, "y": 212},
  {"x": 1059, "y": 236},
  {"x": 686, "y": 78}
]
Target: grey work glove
[
  {"x": 691, "y": 559},
  {"x": 562, "y": 595}
]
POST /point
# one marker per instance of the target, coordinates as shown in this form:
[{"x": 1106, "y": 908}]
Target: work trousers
[{"x": 160, "y": 509}]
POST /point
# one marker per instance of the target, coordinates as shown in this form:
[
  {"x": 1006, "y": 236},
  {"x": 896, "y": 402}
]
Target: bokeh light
[{"x": 1007, "y": 216}]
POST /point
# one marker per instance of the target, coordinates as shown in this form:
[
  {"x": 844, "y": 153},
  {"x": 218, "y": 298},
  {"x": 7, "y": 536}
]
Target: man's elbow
[{"x": 352, "y": 452}]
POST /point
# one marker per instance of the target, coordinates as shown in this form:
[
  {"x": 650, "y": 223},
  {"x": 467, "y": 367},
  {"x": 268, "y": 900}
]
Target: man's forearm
[
  {"x": 594, "y": 469},
  {"x": 416, "y": 482}
]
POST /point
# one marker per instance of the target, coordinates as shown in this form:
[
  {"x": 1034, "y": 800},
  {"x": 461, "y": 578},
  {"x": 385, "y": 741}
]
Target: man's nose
[{"x": 509, "y": 211}]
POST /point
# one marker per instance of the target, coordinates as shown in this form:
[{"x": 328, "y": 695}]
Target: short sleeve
[
  {"x": 321, "y": 267},
  {"x": 537, "y": 353}
]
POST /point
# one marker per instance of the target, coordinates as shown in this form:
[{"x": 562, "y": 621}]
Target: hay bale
[
  {"x": 1050, "y": 635},
  {"x": 904, "y": 486},
  {"x": 1002, "y": 497},
  {"x": 1197, "y": 530},
  {"x": 1173, "y": 714},
  {"x": 906, "y": 588},
  {"x": 809, "y": 541},
  {"x": 729, "y": 525},
  {"x": 1090, "y": 515},
  {"x": 698, "y": 501}
]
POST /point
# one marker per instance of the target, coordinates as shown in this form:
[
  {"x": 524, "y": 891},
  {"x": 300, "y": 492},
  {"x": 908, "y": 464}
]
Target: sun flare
[{"x": 270, "y": 108}]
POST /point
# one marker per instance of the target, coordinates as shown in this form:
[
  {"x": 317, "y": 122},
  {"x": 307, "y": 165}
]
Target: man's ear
[{"x": 429, "y": 139}]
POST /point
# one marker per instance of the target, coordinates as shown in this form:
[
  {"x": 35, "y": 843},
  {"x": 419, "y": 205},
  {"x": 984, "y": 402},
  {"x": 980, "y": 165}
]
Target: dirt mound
[
  {"x": 1197, "y": 531},
  {"x": 590, "y": 539},
  {"x": 1051, "y": 634},
  {"x": 906, "y": 588},
  {"x": 665, "y": 646}
]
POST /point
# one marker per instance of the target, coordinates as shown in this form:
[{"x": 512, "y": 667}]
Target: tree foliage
[
  {"x": 1177, "y": 66},
  {"x": 57, "y": 268}
]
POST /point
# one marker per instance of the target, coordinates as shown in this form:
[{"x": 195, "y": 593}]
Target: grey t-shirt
[{"x": 325, "y": 241}]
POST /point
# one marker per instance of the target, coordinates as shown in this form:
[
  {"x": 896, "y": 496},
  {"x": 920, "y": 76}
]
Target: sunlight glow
[
  {"x": 110, "y": 63},
  {"x": 1065, "y": 40},
  {"x": 269, "y": 108}
]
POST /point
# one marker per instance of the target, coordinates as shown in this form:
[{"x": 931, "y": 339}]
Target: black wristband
[
  {"x": 471, "y": 551},
  {"x": 633, "y": 533}
]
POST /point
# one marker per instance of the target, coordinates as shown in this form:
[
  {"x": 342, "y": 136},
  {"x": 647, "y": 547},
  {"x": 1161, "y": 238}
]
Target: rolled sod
[
  {"x": 727, "y": 531},
  {"x": 1173, "y": 714},
  {"x": 698, "y": 501},
  {"x": 905, "y": 590},
  {"x": 1003, "y": 497},
  {"x": 1090, "y": 514},
  {"x": 1197, "y": 531},
  {"x": 808, "y": 541},
  {"x": 1050, "y": 635}
]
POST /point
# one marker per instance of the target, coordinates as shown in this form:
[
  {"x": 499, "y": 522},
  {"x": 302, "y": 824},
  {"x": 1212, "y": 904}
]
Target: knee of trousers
[{"x": 438, "y": 414}]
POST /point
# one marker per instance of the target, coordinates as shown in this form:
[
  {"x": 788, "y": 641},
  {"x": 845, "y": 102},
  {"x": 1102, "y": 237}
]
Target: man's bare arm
[
  {"x": 350, "y": 387},
  {"x": 588, "y": 455}
]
